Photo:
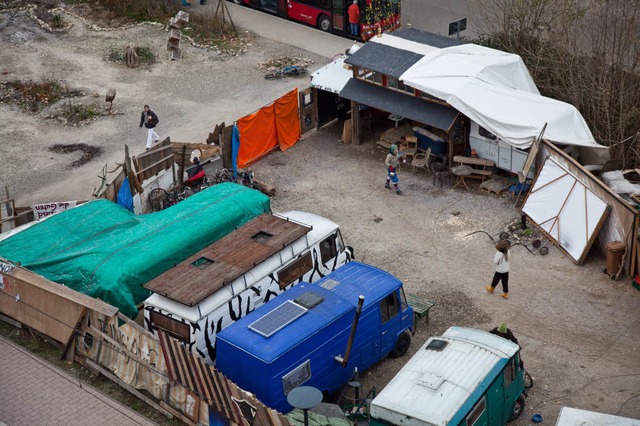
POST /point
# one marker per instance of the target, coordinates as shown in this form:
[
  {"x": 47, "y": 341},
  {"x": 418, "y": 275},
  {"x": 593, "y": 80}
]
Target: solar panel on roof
[{"x": 277, "y": 319}]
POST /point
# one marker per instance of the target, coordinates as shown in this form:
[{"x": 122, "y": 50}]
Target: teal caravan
[
  {"x": 464, "y": 377},
  {"x": 317, "y": 334}
]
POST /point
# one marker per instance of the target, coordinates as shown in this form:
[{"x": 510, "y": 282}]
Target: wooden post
[{"x": 355, "y": 123}]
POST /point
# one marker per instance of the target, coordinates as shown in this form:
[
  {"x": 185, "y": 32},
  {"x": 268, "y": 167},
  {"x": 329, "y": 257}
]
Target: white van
[{"x": 240, "y": 272}]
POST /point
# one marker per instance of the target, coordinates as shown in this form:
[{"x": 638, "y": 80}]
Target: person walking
[
  {"x": 501, "y": 259},
  {"x": 354, "y": 18},
  {"x": 149, "y": 119},
  {"x": 392, "y": 160}
]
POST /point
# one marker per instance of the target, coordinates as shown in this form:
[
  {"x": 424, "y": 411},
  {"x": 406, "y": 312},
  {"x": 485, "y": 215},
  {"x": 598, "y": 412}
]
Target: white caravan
[{"x": 240, "y": 272}]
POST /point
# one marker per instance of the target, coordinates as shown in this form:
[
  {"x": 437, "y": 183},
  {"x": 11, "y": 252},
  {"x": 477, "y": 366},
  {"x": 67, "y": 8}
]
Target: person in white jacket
[{"x": 501, "y": 259}]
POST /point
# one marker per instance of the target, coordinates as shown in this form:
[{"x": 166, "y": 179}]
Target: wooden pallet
[
  {"x": 496, "y": 185},
  {"x": 394, "y": 136}
]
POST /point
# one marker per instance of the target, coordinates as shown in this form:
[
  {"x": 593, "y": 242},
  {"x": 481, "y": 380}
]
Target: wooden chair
[
  {"x": 409, "y": 147},
  {"x": 421, "y": 160}
]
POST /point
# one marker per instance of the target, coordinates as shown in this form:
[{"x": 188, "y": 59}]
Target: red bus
[{"x": 331, "y": 15}]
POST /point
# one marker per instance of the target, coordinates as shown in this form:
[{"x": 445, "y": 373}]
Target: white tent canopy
[{"x": 495, "y": 90}]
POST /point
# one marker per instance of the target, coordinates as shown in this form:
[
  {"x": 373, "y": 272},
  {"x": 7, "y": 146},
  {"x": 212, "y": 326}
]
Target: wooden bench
[
  {"x": 420, "y": 307},
  {"x": 482, "y": 168}
]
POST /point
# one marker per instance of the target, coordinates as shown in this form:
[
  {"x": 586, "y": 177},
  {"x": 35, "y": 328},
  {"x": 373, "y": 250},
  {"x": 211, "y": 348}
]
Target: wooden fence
[{"x": 157, "y": 369}]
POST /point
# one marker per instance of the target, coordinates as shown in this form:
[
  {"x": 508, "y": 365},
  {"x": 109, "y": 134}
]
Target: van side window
[
  {"x": 403, "y": 299},
  {"x": 389, "y": 307},
  {"x": 476, "y": 412},
  {"x": 294, "y": 271},
  {"x": 328, "y": 249},
  {"x": 509, "y": 373},
  {"x": 296, "y": 377}
]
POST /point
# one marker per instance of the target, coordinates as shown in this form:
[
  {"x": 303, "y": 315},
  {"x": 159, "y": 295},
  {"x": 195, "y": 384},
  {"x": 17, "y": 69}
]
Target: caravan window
[
  {"x": 476, "y": 412},
  {"x": 485, "y": 133},
  {"x": 328, "y": 249},
  {"x": 173, "y": 327},
  {"x": 295, "y": 271},
  {"x": 389, "y": 307}
]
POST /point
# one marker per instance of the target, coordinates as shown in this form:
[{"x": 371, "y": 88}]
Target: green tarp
[{"x": 104, "y": 251}]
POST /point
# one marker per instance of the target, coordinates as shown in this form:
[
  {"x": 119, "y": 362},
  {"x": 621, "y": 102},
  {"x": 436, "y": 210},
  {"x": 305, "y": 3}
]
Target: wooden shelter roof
[{"x": 210, "y": 269}]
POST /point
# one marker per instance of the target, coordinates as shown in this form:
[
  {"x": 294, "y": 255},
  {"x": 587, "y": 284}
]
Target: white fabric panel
[
  {"x": 332, "y": 77},
  {"x": 495, "y": 90},
  {"x": 565, "y": 208},
  {"x": 404, "y": 44}
]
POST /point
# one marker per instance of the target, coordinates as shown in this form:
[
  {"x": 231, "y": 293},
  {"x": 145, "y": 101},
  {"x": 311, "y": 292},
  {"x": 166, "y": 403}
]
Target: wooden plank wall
[
  {"x": 150, "y": 163},
  {"x": 49, "y": 308}
]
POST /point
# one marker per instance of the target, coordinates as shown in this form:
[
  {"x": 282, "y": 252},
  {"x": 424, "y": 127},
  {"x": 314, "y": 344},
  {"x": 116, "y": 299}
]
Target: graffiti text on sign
[
  {"x": 5, "y": 268},
  {"x": 43, "y": 210}
]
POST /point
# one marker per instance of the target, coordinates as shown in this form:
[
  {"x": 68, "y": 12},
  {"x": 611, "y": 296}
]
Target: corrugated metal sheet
[
  {"x": 223, "y": 396},
  {"x": 405, "y": 105}
]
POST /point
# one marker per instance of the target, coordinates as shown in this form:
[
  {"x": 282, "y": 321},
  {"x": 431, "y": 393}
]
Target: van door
[
  {"x": 390, "y": 321},
  {"x": 495, "y": 401},
  {"x": 513, "y": 384}
]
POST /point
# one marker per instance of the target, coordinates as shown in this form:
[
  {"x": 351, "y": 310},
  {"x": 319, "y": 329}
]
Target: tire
[
  {"x": 238, "y": 1},
  {"x": 324, "y": 23},
  {"x": 402, "y": 345},
  {"x": 518, "y": 408},
  {"x": 544, "y": 250},
  {"x": 504, "y": 235}
]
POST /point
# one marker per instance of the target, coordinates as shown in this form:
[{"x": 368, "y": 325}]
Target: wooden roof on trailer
[{"x": 210, "y": 269}]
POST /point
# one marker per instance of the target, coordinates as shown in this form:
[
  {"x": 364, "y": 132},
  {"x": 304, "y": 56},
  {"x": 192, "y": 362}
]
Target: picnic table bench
[
  {"x": 420, "y": 307},
  {"x": 480, "y": 167}
]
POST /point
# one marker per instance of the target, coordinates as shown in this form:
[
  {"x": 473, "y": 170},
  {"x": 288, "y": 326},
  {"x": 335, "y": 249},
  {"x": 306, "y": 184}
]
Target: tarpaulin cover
[
  {"x": 287, "y": 120},
  {"x": 271, "y": 125},
  {"x": 495, "y": 90},
  {"x": 257, "y": 135},
  {"x": 104, "y": 251}
]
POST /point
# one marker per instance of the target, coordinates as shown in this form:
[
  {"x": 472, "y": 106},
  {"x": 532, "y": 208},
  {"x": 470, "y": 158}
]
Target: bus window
[{"x": 338, "y": 14}]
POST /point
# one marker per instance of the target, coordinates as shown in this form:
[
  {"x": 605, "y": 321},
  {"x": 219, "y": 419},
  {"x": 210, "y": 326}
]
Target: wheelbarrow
[
  {"x": 537, "y": 244},
  {"x": 494, "y": 238},
  {"x": 538, "y": 247}
]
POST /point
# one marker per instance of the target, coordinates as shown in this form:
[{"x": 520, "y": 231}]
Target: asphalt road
[{"x": 428, "y": 15}]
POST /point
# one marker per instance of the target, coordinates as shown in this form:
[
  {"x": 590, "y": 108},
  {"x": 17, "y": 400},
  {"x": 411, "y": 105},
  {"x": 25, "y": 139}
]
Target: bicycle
[
  {"x": 288, "y": 71},
  {"x": 223, "y": 175},
  {"x": 246, "y": 178}
]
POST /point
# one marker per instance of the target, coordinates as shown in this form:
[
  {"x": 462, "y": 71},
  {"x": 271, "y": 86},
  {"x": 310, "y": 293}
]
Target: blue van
[{"x": 301, "y": 336}]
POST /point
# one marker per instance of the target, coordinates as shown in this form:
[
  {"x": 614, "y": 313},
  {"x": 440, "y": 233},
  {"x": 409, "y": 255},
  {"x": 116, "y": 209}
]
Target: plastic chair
[{"x": 422, "y": 160}]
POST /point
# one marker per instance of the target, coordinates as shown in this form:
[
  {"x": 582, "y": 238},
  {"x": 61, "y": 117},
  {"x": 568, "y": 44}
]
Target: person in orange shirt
[{"x": 354, "y": 18}]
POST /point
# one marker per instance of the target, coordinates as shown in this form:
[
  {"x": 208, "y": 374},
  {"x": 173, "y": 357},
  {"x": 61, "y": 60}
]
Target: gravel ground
[{"x": 579, "y": 330}]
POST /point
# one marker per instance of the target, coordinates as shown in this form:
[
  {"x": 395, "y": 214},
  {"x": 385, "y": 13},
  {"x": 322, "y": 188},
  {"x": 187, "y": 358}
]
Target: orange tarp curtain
[
  {"x": 257, "y": 135},
  {"x": 270, "y": 126},
  {"x": 287, "y": 120}
]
